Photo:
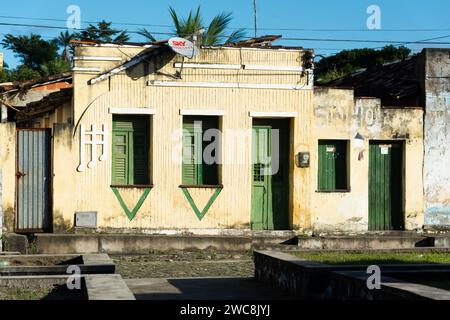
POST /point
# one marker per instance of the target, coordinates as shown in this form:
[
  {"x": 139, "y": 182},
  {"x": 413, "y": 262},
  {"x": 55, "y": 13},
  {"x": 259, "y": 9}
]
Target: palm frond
[
  {"x": 147, "y": 35},
  {"x": 176, "y": 21},
  {"x": 217, "y": 28},
  {"x": 236, "y": 36}
]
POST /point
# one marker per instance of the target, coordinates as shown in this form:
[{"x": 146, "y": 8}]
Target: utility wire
[
  {"x": 284, "y": 39},
  {"x": 245, "y": 28}
]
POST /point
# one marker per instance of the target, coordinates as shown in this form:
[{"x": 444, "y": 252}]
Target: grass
[
  {"x": 24, "y": 294},
  {"x": 367, "y": 258}
]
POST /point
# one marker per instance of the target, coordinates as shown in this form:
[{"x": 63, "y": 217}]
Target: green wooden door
[
  {"x": 262, "y": 182},
  {"x": 270, "y": 188},
  {"x": 385, "y": 186}
]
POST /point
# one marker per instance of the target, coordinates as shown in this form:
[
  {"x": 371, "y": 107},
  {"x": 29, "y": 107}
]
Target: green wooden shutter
[
  {"x": 130, "y": 150},
  {"x": 191, "y": 151},
  {"x": 120, "y": 158},
  {"x": 332, "y": 173}
]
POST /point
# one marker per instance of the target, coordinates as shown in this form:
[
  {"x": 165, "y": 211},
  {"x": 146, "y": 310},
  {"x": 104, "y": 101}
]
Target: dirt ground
[{"x": 185, "y": 264}]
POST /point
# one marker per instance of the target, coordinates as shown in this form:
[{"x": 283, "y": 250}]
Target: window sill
[
  {"x": 137, "y": 186},
  {"x": 334, "y": 191},
  {"x": 202, "y": 186}
]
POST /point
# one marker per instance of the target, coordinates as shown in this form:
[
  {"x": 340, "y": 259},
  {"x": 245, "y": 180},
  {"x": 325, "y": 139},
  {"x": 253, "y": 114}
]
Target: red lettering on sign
[{"x": 179, "y": 43}]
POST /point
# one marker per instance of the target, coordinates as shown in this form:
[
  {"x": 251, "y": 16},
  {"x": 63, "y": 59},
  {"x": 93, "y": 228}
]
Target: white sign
[
  {"x": 183, "y": 47},
  {"x": 384, "y": 150}
]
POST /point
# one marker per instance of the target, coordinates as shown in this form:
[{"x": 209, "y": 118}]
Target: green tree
[
  {"x": 103, "y": 32},
  {"x": 23, "y": 73},
  {"x": 56, "y": 66},
  {"x": 32, "y": 50},
  {"x": 214, "y": 33},
  {"x": 348, "y": 61}
]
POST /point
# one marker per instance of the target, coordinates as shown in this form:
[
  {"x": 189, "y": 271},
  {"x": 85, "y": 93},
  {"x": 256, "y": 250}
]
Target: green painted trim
[
  {"x": 201, "y": 214},
  {"x": 131, "y": 214}
]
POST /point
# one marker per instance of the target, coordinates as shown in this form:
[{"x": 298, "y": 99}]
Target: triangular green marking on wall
[
  {"x": 201, "y": 214},
  {"x": 131, "y": 214}
]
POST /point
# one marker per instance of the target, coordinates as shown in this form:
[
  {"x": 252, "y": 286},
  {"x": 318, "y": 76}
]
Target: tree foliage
[
  {"x": 32, "y": 50},
  {"x": 39, "y": 57},
  {"x": 103, "y": 32},
  {"x": 214, "y": 33},
  {"x": 348, "y": 61}
]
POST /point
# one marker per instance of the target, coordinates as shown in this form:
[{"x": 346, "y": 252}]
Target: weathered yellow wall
[
  {"x": 337, "y": 115},
  {"x": 166, "y": 207},
  {"x": 8, "y": 167}
]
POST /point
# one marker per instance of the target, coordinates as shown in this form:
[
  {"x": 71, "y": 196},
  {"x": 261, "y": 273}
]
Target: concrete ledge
[
  {"x": 88, "y": 264},
  {"x": 135, "y": 244},
  {"x": 144, "y": 244},
  {"x": 15, "y": 243},
  {"x": 107, "y": 287},
  {"x": 312, "y": 280},
  {"x": 365, "y": 242},
  {"x": 66, "y": 243}
]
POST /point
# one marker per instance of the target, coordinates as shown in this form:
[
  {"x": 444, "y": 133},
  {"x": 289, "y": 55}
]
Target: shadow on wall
[
  {"x": 61, "y": 225},
  {"x": 8, "y": 216}
]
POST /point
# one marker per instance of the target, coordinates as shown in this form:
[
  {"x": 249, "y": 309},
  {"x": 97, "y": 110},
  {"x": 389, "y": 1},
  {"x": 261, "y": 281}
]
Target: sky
[{"x": 400, "y": 20}]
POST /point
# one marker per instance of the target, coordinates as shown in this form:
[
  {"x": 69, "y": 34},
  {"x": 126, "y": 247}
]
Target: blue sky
[{"x": 272, "y": 16}]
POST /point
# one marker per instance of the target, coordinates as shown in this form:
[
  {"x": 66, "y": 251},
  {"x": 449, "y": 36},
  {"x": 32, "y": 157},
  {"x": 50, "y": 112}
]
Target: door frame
[
  {"x": 49, "y": 227},
  {"x": 271, "y": 122},
  {"x": 401, "y": 144}
]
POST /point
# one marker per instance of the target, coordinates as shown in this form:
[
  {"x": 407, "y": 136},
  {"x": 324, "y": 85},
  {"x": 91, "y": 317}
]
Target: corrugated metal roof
[{"x": 396, "y": 84}]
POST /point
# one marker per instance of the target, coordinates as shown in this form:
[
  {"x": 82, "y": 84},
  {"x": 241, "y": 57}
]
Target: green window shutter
[
  {"x": 120, "y": 158},
  {"x": 191, "y": 148},
  {"x": 130, "y": 163},
  {"x": 332, "y": 173}
]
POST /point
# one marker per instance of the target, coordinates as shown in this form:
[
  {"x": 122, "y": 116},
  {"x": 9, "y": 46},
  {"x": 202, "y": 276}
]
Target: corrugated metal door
[
  {"x": 385, "y": 186},
  {"x": 33, "y": 180}
]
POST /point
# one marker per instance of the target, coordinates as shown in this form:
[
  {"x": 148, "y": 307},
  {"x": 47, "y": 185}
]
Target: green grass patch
[{"x": 368, "y": 258}]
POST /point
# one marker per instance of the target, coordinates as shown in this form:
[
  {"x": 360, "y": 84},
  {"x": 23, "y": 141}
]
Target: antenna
[{"x": 254, "y": 14}]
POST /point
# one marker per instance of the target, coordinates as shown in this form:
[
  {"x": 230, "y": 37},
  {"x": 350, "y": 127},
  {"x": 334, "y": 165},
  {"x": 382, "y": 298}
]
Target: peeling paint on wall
[{"x": 437, "y": 136}]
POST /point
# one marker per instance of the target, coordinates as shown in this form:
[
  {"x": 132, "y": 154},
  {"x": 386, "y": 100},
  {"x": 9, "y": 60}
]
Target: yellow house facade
[{"x": 235, "y": 86}]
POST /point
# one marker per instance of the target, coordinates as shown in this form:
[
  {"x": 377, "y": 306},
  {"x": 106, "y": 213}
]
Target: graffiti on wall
[{"x": 361, "y": 116}]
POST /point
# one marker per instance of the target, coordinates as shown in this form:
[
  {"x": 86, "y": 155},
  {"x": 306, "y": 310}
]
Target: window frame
[
  {"x": 202, "y": 169},
  {"x": 130, "y": 145},
  {"x": 342, "y": 146}
]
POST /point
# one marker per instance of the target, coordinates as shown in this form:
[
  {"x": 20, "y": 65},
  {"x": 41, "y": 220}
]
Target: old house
[
  {"x": 420, "y": 81},
  {"x": 365, "y": 167},
  {"x": 132, "y": 158}
]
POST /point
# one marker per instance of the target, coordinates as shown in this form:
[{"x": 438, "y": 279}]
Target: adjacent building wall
[
  {"x": 8, "y": 168},
  {"x": 338, "y": 115},
  {"x": 437, "y": 136}
]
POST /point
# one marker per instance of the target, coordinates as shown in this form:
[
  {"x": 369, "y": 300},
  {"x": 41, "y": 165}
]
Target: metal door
[
  {"x": 386, "y": 186},
  {"x": 33, "y": 180}
]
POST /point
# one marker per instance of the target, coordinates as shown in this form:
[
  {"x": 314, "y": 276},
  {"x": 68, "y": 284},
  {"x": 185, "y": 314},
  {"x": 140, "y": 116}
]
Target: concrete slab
[
  {"x": 220, "y": 288},
  {"x": 107, "y": 287}
]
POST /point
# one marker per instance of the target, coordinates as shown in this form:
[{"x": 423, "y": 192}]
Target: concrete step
[{"x": 365, "y": 242}]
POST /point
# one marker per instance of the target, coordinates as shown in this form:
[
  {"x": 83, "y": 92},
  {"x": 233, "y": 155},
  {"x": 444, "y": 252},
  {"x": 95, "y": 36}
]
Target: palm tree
[
  {"x": 214, "y": 34},
  {"x": 63, "y": 41}
]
